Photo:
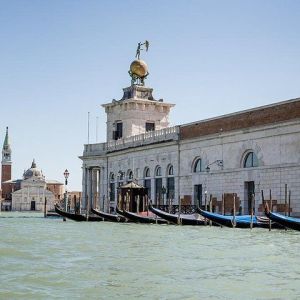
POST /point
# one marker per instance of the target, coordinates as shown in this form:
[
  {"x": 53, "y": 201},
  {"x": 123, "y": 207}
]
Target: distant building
[
  {"x": 6, "y": 188},
  {"x": 30, "y": 192},
  {"x": 33, "y": 192}
]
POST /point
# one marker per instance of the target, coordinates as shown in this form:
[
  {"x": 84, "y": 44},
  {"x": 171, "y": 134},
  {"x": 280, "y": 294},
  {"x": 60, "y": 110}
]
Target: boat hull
[
  {"x": 109, "y": 217},
  {"x": 243, "y": 221},
  {"x": 140, "y": 219},
  {"x": 77, "y": 217},
  {"x": 172, "y": 218},
  {"x": 288, "y": 222}
]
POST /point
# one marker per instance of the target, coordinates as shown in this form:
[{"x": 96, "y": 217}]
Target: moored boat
[
  {"x": 141, "y": 219},
  {"x": 109, "y": 217},
  {"x": 240, "y": 221},
  {"x": 183, "y": 219},
  {"x": 77, "y": 217},
  {"x": 285, "y": 221}
]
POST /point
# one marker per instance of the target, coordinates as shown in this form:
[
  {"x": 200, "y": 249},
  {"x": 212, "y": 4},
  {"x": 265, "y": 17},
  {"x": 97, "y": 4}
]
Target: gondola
[
  {"x": 243, "y": 221},
  {"x": 288, "y": 222},
  {"x": 141, "y": 219},
  {"x": 77, "y": 217},
  {"x": 184, "y": 219},
  {"x": 109, "y": 217}
]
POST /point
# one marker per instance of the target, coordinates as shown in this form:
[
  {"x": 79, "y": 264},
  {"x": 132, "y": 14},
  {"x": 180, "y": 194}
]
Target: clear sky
[{"x": 60, "y": 59}]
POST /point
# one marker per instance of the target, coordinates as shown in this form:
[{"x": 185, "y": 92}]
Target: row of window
[
  {"x": 250, "y": 161},
  {"x": 118, "y": 132},
  {"x": 158, "y": 173}
]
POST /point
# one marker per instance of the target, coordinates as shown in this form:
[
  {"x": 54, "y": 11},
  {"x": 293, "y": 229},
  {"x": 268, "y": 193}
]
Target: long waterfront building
[{"x": 241, "y": 153}]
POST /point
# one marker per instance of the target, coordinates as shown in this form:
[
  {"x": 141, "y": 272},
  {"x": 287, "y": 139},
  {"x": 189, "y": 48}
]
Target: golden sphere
[{"x": 139, "y": 68}]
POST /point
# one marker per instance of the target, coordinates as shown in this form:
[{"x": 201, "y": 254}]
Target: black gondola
[
  {"x": 77, "y": 217},
  {"x": 288, "y": 222},
  {"x": 140, "y": 219},
  {"x": 184, "y": 219},
  {"x": 240, "y": 221},
  {"x": 109, "y": 217}
]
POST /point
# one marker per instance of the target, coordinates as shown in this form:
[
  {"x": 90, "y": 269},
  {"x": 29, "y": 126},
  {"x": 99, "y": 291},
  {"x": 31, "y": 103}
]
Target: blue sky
[{"x": 61, "y": 59}]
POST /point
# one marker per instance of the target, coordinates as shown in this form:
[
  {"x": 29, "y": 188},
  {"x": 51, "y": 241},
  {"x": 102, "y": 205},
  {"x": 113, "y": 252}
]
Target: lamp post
[
  {"x": 218, "y": 162},
  {"x": 66, "y": 175}
]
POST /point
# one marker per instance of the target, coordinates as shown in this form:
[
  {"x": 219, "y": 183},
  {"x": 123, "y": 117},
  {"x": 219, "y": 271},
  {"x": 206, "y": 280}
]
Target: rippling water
[{"x": 48, "y": 258}]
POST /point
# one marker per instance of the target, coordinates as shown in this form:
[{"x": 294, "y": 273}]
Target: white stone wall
[
  {"x": 277, "y": 148},
  {"x": 134, "y": 114}
]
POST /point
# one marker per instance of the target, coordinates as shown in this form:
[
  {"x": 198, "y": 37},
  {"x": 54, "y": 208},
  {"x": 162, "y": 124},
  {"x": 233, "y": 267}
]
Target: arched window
[
  {"x": 170, "y": 170},
  {"x": 147, "y": 172},
  {"x": 158, "y": 171},
  {"x": 197, "y": 166},
  {"x": 112, "y": 177},
  {"x": 120, "y": 175},
  {"x": 250, "y": 160},
  {"x": 130, "y": 175}
]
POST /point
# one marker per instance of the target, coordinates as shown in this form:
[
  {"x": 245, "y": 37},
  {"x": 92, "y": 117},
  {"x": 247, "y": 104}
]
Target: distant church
[
  {"x": 241, "y": 153},
  {"x": 29, "y": 193}
]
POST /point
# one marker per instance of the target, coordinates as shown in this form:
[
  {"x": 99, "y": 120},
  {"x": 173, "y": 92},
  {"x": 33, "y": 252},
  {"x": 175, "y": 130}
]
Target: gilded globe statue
[{"x": 139, "y": 68}]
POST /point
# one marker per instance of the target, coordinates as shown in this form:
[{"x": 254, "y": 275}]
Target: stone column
[
  {"x": 89, "y": 189},
  {"x": 84, "y": 188},
  {"x": 94, "y": 174}
]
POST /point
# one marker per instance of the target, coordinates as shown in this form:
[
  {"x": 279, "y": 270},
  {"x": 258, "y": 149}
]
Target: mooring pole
[
  {"x": 45, "y": 208},
  {"x": 179, "y": 211},
  {"x": 233, "y": 219},
  {"x": 205, "y": 205},
  {"x": 289, "y": 213},
  {"x": 271, "y": 208},
  {"x": 223, "y": 205},
  {"x": 252, "y": 201},
  {"x": 285, "y": 199},
  {"x": 210, "y": 207}
]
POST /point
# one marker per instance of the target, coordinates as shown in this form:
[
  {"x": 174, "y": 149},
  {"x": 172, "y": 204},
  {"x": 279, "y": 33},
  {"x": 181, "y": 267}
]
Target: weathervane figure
[
  {"x": 138, "y": 68},
  {"x": 139, "y": 48}
]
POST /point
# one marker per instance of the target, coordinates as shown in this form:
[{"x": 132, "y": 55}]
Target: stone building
[
  {"x": 28, "y": 193},
  {"x": 241, "y": 153},
  {"x": 33, "y": 192}
]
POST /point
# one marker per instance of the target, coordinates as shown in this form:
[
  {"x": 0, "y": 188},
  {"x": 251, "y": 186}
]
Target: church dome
[{"x": 33, "y": 172}]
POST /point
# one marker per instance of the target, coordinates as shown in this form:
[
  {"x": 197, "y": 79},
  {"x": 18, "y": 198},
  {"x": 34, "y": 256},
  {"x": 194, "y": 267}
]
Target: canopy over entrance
[{"x": 132, "y": 197}]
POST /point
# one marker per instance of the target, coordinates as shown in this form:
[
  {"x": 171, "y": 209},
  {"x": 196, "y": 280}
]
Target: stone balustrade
[{"x": 150, "y": 137}]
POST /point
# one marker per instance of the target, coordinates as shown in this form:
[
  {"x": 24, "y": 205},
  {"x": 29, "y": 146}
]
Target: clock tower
[{"x": 6, "y": 168}]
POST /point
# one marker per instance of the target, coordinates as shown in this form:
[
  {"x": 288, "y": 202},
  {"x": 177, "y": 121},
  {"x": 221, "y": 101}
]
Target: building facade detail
[{"x": 241, "y": 153}]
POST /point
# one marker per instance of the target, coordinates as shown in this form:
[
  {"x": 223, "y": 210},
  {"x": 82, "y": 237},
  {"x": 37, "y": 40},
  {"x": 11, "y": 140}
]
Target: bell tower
[{"x": 6, "y": 168}]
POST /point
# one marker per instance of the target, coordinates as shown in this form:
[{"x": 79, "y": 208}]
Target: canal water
[{"x": 51, "y": 259}]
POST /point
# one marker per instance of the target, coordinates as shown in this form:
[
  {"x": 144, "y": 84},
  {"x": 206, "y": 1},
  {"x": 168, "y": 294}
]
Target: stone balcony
[{"x": 151, "y": 137}]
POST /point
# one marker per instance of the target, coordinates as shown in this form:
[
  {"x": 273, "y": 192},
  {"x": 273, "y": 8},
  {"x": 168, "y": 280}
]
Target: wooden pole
[
  {"x": 179, "y": 211},
  {"x": 285, "y": 199},
  {"x": 205, "y": 208},
  {"x": 223, "y": 205},
  {"x": 289, "y": 212},
  {"x": 252, "y": 200},
  {"x": 210, "y": 207},
  {"x": 271, "y": 208},
  {"x": 233, "y": 219},
  {"x": 45, "y": 208}
]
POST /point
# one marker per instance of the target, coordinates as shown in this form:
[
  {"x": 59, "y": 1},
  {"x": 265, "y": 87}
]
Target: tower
[
  {"x": 137, "y": 112},
  {"x": 6, "y": 168}
]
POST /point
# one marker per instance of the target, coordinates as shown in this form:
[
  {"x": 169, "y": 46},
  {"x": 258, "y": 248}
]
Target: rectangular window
[
  {"x": 150, "y": 126},
  {"x": 118, "y": 133}
]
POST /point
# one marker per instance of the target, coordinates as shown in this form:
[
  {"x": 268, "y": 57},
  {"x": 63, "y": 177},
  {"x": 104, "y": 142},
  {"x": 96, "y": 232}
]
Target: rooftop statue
[{"x": 138, "y": 68}]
